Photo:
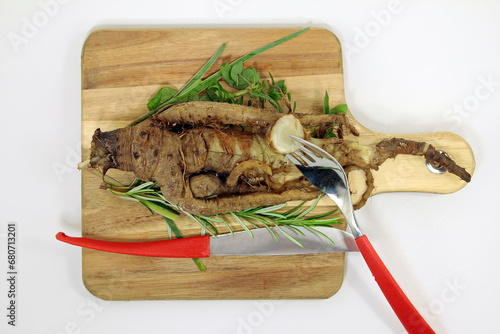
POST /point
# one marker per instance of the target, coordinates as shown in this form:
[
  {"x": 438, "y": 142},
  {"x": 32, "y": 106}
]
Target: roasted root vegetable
[{"x": 211, "y": 158}]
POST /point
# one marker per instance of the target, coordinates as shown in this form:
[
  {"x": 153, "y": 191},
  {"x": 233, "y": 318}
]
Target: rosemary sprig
[{"x": 150, "y": 196}]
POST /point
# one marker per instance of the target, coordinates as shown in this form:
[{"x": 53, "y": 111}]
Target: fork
[{"x": 326, "y": 174}]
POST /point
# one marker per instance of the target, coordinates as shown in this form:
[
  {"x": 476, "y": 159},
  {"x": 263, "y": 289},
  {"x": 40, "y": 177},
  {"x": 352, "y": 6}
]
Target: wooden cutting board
[{"x": 123, "y": 69}]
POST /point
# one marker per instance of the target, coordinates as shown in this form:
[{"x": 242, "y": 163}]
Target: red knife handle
[
  {"x": 194, "y": 247},
  {"x": 412, "y": 321}
]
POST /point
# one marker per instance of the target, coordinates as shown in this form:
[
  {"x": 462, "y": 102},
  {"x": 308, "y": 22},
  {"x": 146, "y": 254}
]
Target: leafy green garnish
[
  {"x": 197, "y": 85},
  {"x": 340, "y": 109},
  {"x": 163, "y": 95},
  {"x": 246, "y": 82},
  {"x": 329, "y": 133}
]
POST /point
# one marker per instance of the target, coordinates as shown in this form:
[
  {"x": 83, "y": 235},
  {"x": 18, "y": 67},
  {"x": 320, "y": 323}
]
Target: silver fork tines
[
  {"x": 311, "y": 150},
  {"x": 305, "y": 155},
  {"x": 294, "y": 159},
  {"x": 314, "y": 162}
]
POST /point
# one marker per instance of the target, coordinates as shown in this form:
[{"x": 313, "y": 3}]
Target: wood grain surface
[{"x": 123, "y": 69}]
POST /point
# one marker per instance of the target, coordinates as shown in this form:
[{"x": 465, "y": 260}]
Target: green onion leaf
[
  {"x": 326, "y": 103},
  {"x": 163, "y": 210}
]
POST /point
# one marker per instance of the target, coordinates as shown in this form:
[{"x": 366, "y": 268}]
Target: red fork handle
[
  {"x": 194, "y": 247},
  {"x": 412, "y": 321}
]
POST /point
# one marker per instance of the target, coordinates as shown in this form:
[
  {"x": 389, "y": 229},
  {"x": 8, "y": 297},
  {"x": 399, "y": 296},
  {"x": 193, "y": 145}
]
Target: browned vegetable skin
[{"x": 208, "y": 167}]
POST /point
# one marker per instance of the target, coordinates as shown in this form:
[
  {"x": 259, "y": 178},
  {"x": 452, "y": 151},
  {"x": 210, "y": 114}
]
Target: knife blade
[{"x": 263, "y": 242}]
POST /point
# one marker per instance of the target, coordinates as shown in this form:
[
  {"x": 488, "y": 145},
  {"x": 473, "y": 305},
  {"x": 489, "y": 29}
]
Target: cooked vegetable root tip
[
  {"x": 442, "y": 160},
  {"x": 278, "y": 135},
  {"x": 207, "y": 166},
  {"x": 390, "y": 148}
]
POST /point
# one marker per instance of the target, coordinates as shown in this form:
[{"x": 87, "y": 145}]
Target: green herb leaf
[
  {"x": 226, "y": 223},
  {"x": 217, "y": 93},
  {"x": 340, "y": 109},
  {"x": 163, "y": 210},
  {"x": 163, "y": 95},
  {"x": 263, "y": 222},
  {"x": 309, "y": 209},
  {"x": 193, "y": 96},
  {"x": 199, "y": 222},
  {"x": 238, "y": 219},
  {"x": 236, "y": 70},
  {"x": 225, "y": 70},
  {"x": 271, "y": 208},
  {"x": 240, "y": 102},
  {"x": 281, "y": 85},
  {"x": 263, "y": 97},
  {"x": 295, "y": 211},
  {"x": 207, "y": 222},
  {"x": 330, "y": 134},
  {"x": 288, "y": 236},
  {"x": 173, "y": 227},
  {"x": 326, "y": 103},
  {"x": 205, "y": 97},
  {"x": 273, "y": 95},
  {"x": 250, "y": 75}
]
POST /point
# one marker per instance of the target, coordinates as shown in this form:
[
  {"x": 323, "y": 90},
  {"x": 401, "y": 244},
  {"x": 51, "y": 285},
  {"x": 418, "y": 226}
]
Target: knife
[{"x": 263, "y": 242}]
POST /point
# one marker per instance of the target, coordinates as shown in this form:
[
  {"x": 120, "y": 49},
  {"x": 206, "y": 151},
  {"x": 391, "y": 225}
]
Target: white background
[{"x": 412, "y": 66}]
